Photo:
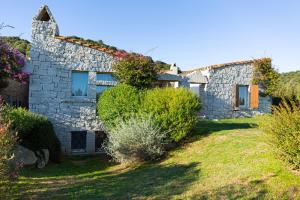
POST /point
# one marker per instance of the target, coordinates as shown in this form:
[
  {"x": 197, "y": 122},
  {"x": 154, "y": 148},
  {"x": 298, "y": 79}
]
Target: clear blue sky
[{"x": 192, "y": 33}]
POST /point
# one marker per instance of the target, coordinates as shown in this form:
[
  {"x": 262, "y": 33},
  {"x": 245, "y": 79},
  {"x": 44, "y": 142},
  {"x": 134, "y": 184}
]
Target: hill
[{"x": 289, "y": 85}]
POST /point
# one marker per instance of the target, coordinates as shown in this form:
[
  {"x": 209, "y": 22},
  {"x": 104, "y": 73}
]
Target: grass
[{"x": 227, "y": 159}]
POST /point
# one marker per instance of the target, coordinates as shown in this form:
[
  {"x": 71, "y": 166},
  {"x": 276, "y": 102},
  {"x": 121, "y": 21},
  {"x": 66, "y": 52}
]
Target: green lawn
[{"x": 228, "y": 159}]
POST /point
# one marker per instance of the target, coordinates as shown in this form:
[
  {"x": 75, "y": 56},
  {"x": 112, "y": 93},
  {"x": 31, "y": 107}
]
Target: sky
[{"x": 191, "y": 33}]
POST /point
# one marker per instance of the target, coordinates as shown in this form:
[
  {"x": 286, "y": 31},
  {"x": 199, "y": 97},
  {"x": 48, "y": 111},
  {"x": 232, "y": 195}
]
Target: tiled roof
[
  {"x": 169, "y": 77},
  {"x": 113, "y": 52},
  {"x": 196, "y": 77},
  {"x": 245, "y": 62}
]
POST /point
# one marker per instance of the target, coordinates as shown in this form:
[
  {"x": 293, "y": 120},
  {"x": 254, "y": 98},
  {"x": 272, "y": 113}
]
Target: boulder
[
  {"x": 24, "y": 155},
  {"x": 27, "y": 157},
  {"x": 40, "y": 163},
  {"x": 42, "y": 158},
  {"x": 46, "y": 155}
]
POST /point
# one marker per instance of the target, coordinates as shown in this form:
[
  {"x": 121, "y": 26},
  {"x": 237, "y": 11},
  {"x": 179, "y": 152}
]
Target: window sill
[
  {"x": 242, "y": 109},
  {"x": 108, "y": 83},
  {"x": 79, "y": 151},
  {"x": 78, "y": 100}
]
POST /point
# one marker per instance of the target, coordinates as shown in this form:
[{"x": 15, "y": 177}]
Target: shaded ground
[{"x": 228, "y": 159}]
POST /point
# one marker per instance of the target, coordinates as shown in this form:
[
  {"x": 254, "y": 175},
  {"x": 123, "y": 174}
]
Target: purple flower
[{"x": 11, "y": 63}]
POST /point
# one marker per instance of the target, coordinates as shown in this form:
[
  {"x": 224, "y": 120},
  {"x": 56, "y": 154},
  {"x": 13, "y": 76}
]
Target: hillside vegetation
[
  {"x": 15, "y": 42},
  {"x": 289, "y": 85}
]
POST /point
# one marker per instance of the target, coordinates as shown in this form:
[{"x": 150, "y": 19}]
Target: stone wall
[
  {"x": 52, "y": 62},
  {"x": 218, "y": 96}
]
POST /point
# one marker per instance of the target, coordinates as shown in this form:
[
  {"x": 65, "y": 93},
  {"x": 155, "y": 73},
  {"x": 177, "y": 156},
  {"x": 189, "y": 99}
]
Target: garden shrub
[
  {"x": 283, "y": 130},
  {"x": 8, "y": 140},
  {"x": 35, "y": 132},
  {"x": 174, "y": 109},
  {"x": 136, "y": 139},
  {"x": 118, "y": 102}
]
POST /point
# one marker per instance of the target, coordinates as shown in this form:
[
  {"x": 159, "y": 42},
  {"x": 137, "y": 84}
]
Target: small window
[
  {"x": 105, "y": 77},
  {"x": 79, "y": 83},
  {"x": 243, "y": 96},
  {"x": 78, "y": 141},
  {"x": 101, "y": 88},
  {"x": 100, "y": 137}
]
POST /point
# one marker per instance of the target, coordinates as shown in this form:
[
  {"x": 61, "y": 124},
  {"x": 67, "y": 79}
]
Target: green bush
[
  {"x": 118, "y": 102},
  {"x": 35, "y": 132},
  {"x": 136, "y": 139},
  {"x": 283, "y": 131},
  {"x": 136, "y": 70},
  {"x": 174, "y": 109}
]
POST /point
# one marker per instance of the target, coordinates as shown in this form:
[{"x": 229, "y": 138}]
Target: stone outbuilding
[
  {"x": 226, "y": 90},
  {"x": 67, "y": 75}
]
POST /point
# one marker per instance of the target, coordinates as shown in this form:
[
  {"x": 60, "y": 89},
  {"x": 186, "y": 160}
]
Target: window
[
  {"x": 100, "y": 136},
  {"x": 195, "y": 88},
  {"x": 105, "y": 77},
  {"x": 101, "y": 88},
  {"x": 79, "y": 83},
  {"x": 243, "y": 96},
  {"x": 78, "y": 141}
]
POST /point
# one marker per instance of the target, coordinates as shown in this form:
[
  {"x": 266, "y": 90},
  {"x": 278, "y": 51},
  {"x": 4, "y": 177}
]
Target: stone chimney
[
  {"x": 174, "y": 69},
  {"x": 44, "y": 25}
]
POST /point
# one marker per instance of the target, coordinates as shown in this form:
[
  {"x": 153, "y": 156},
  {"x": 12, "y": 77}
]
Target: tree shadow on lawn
[
  {"x": 233, "y": 191},
  {"x": 205, "y": 127},
  {"x": 150, "y": 181},
  {"x": 71, "y": 166},
  {"x": 244, "y": 189}
]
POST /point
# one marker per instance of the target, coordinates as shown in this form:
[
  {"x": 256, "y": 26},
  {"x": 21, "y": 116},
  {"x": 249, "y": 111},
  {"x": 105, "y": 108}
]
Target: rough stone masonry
[
  {"x": 50, "y": 93},
  {"x": 52, "y": 62}
]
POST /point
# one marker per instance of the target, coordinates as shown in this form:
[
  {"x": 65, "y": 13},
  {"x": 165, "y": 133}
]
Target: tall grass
[{"x": 283, "y": 130}]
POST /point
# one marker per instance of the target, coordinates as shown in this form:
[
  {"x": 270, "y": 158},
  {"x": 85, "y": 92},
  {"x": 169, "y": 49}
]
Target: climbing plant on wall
[{"x": 265, "y": 75}]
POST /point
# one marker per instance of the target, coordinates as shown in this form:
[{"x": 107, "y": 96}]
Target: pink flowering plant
[{"x": 11, "y": 63}]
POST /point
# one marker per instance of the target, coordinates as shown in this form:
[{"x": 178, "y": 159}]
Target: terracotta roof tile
[
  {"x": 89, "y": 45},
  {"x": 216, "y": 66}
]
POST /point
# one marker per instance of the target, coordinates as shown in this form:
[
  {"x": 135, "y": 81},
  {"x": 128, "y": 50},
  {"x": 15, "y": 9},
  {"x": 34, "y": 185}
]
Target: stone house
[
  {"x": 67, "y": 75},
  {"x": 226, "y": 90}
]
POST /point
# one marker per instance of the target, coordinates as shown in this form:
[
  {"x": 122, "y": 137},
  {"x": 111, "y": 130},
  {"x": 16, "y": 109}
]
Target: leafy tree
[
  {"x": 136, "y": 70},
  {"x": 266, "y": 75},
  {"x": 162, "y": 65}
]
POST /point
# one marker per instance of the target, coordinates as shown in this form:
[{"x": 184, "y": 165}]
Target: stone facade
[
  {"x": 217, "y": 94},
  {"x": 53, "y": 61}
]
